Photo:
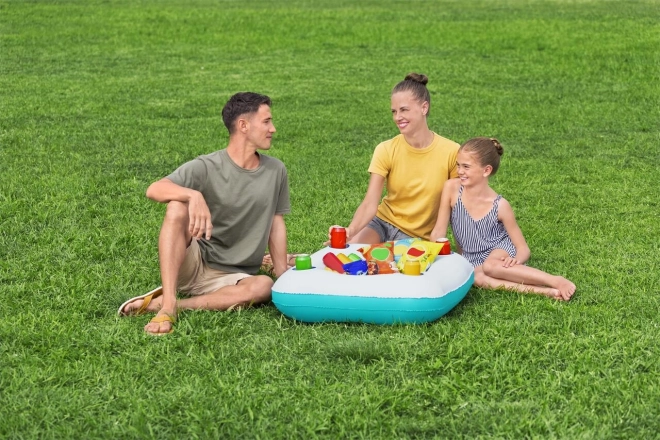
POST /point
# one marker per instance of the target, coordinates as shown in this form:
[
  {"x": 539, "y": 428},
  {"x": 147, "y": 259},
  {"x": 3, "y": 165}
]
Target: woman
[{"x": 414, "y": 166}]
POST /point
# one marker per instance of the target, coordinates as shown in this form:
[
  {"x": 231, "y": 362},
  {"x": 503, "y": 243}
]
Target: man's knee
[
  {"x": 176, "y": 212},
  {"x": 265, "y": 287},
  {"x": 260, "y": 288}
]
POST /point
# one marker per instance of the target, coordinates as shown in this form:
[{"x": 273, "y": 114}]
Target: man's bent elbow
[
  {"x": 153, "y": 193},
  {"x": 150, "y": 192}
]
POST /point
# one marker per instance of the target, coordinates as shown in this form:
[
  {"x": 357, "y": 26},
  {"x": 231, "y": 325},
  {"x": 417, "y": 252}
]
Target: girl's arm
[
  {"x": 508, "y": 219},
  {"x": 444, "y": 212}
]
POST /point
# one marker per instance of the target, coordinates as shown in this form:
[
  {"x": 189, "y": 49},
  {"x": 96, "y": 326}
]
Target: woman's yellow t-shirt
[{"x": 414, "y": 181}]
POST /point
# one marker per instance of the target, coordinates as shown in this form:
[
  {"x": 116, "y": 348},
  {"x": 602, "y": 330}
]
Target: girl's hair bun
[
  {"x": 498, "y": 146},
  {"x": 417, "y": 77}
]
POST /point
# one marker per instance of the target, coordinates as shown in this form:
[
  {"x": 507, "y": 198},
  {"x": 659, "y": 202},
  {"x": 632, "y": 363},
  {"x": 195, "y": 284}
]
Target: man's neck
[{"x": 243, "y": 155}]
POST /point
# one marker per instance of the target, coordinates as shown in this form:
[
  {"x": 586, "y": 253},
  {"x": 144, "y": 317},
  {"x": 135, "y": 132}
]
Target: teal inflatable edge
[{"x": 311, "y": 307}]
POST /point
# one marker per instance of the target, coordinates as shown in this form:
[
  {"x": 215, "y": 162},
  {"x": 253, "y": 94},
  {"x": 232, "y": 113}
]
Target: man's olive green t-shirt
[{"x": 242, "y": 204}]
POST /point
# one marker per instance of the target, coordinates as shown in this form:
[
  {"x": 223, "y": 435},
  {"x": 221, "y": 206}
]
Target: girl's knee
[{"x": 491, "y": 267}]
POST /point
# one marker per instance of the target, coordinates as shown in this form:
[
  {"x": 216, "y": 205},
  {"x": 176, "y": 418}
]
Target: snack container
[{"x": 356, "y": 267}]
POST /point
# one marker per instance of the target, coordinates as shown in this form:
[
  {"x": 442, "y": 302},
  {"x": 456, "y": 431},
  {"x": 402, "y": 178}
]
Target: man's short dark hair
[{"x": 241, "y": 104}]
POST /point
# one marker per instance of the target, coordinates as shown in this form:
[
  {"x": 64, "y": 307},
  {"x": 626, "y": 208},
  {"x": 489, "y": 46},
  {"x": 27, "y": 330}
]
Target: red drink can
[
  {"x": 338, "y": 237},
  {"x": 446, "y": 247}
]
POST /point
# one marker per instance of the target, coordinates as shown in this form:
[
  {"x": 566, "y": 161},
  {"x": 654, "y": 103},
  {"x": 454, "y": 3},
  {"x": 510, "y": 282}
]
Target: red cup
[
  {"x": 446, "y": 247},
  {"x": 338, "y": 237}
]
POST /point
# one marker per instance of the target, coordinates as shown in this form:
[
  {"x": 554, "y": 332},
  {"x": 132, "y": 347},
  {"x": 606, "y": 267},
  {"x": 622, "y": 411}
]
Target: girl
[
  {"x": 414, "y": 166},
  {"x": 493, "y": 243}
]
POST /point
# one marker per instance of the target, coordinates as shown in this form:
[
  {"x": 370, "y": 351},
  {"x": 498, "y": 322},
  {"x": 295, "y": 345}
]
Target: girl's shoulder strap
[
  {"x": 456, "y": 192},
  {"x": 502, "y": 204}
]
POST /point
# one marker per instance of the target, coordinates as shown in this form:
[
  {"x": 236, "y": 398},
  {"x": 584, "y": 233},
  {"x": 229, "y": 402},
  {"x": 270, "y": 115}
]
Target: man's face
[{"x": 261, "y": 128}]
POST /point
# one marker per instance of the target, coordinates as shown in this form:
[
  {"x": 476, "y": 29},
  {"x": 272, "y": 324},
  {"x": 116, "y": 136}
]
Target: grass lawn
[{"x": 100, "y": 98}]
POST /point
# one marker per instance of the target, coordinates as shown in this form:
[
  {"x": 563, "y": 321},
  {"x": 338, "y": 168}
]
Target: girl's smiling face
[{"x": 470, "y": 171}]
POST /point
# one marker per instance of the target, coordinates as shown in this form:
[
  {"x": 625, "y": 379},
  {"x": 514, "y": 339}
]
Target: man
[{"x": 222, "y": 210}]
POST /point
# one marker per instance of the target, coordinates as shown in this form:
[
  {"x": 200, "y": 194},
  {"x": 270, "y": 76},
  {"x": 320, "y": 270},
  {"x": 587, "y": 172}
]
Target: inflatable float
[{"x": 320, "y": 295}]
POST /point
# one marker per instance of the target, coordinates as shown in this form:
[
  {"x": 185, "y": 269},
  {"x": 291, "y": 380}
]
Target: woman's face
[{"x": 408, "y": 113}]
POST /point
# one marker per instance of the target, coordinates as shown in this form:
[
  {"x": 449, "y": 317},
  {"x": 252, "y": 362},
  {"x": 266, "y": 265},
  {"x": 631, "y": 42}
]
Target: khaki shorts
[{"x": 196, "y": 278}]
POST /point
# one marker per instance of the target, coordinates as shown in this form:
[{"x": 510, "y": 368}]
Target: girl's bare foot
[
  {"x": 565, "y": 287},
  {"x": 550, "y": 292},
  {"x": 555, "y": 294}
]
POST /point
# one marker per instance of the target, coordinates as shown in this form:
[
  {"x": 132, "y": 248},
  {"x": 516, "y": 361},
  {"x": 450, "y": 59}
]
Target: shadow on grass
[{"x": 355, "y": 351}]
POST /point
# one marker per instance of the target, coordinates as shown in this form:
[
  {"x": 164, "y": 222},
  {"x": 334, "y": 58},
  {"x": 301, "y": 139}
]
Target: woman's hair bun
[
  {"x": 417, "y": 77},
  {"x": 498, "y": 146}
]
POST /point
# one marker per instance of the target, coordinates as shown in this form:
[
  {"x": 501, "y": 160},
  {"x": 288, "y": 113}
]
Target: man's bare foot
[
  {"x": 290, "y": 260},
  {"x": 565, "y": 287},
  {"x": 149, "y": 302},
  {"x": 161, "y": 324}
]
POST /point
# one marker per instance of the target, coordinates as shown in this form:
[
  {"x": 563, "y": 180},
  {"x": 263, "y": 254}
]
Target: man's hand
[{"x": 200, "y": 217}]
